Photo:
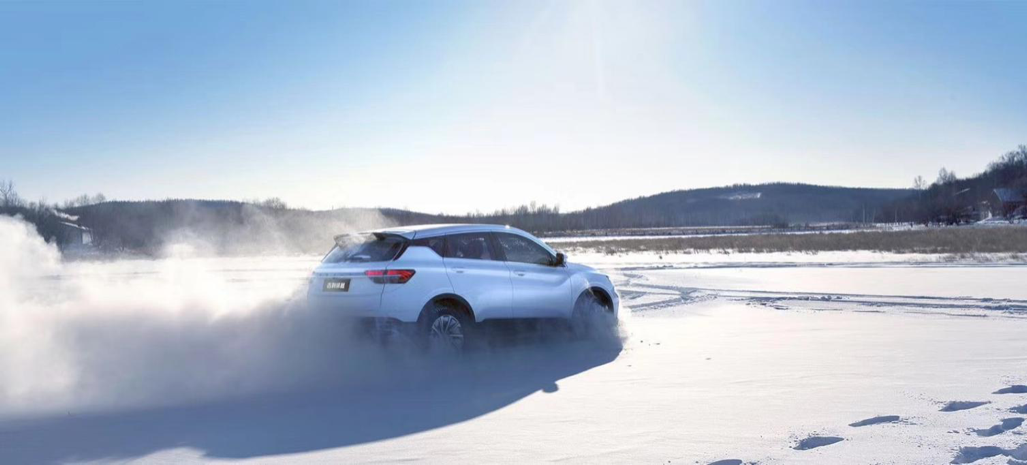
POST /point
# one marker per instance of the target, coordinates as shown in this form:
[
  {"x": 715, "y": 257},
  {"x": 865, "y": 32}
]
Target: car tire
[
  {"x": 446, "y": 329},
  {"x": 591, "y": 317}
]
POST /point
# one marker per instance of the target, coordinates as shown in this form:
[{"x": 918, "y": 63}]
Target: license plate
[{"x": 336, "y": 285}]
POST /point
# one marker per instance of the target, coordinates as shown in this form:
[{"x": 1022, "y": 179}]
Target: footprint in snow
[
  {"x": 1021, "y": 409},
  {"x": 958, "y": 405},
  {"x": 1014, "y": 389},
  {"x": 1006, "y": 425},
  {"x": 973, "y": 454},
  {"x": 727, "y": 462},
  {"x": 876, "y": 421},
  {"x": 813, "y": 442}
]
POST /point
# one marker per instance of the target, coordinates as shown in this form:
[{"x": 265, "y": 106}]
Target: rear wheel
[{"x": 446, "y": 328}]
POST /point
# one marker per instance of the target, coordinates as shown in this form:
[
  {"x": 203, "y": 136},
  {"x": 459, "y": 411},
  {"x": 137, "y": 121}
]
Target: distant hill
[
  {"x": 763, "y": 204},
  {"x": 212, "y": 226}
]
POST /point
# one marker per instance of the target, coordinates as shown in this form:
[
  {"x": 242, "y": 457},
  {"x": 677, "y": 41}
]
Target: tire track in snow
[
  {"x": 633, "y": 290},
  {"x": 638, "y": 288}
]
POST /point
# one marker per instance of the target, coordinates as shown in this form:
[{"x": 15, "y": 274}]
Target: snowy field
[{"x": 829, "y": 358}]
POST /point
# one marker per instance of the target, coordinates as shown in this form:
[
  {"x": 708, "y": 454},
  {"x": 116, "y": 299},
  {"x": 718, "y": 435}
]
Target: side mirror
[{"x": 561, "y": 259}]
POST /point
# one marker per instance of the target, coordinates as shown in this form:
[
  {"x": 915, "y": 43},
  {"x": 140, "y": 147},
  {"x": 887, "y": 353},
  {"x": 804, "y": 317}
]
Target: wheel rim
[{"x": 446, "y": 331}]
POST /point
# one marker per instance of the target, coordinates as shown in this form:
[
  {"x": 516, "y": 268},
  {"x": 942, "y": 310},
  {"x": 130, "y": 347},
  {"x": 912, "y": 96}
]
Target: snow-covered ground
[{"x": 771, "y": 359}]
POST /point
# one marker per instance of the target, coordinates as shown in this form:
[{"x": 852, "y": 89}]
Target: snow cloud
[{"x": 85, "y": 336}]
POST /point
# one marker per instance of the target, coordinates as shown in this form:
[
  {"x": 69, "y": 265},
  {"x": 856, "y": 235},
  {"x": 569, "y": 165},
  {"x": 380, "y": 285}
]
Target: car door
[
  {"x": 540, "y": 290},
  {"x": 478, "y": 276}
]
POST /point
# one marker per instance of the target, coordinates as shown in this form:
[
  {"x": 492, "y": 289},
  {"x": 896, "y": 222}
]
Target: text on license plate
[{"x": 336, "y": 285}]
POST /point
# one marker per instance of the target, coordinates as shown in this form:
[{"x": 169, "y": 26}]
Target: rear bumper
[
  {"x": 331, "y": 306},
  {"x": 387, "y": 328},
  {"x": 369, "y": 328},
  {"x": 319, "y": 303}
]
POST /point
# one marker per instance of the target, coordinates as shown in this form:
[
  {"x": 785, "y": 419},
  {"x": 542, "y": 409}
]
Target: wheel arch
[
  {"x": 602, "y": 294},
  {"x": 457, "y": 301}
]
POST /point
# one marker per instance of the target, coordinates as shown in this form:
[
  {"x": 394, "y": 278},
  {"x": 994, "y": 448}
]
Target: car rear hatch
[{"x": 342, "y": 281}]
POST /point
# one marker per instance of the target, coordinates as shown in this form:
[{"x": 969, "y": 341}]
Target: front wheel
[{"x": 591, "y": 317}]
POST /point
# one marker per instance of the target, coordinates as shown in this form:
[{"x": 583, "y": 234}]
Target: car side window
[
  {"x": 523, "y": 250},
  {"x": 474, "y": 246},
  {"x": 437, "y": 244}
]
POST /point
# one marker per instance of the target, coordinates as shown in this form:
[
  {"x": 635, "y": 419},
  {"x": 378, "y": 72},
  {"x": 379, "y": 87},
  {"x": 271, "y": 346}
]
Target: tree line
[
  {"x": 46, "y": 217},
  {"x": 951, "y": 199}
]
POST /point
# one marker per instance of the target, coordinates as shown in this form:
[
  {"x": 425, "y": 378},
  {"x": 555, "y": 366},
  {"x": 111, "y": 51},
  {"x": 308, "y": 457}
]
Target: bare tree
[
  {"x": 274, "y": 203},
  {"x": 945, "y": 176},
  {"x": 8, "y": 196},
  {"x": 83, "y": 200},
  {"x": 79, "y": 201},
  {"x": 919, "y": 183}
]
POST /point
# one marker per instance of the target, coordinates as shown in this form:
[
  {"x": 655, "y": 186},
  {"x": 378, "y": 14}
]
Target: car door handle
[
  {"x": 458, "y": 270},
  {"x": 519, "y": 273}
]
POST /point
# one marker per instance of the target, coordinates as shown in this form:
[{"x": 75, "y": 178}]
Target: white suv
[{"x": 439, "y": 282}]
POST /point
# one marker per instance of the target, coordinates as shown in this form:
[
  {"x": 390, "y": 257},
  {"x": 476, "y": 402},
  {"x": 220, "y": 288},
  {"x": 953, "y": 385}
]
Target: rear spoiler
[{"x": 340, "y": 239}]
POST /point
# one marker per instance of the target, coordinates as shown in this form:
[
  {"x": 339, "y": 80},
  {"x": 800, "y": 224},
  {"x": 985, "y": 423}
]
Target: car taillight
[{"x": 390, "y": 276}]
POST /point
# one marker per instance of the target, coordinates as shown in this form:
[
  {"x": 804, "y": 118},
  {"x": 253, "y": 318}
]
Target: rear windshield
[{"x": 357, "y": 248}]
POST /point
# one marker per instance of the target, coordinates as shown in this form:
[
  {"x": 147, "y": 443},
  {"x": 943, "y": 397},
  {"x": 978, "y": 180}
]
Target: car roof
[{"x": 431, "y": 230}]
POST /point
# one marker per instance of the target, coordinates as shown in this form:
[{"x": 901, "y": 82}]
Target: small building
[
  {"x": 1010, "y": 202},
  {"x": 73, "y": 235}
]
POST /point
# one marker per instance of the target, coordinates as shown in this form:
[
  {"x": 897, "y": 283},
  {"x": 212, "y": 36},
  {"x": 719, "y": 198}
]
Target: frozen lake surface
[{"x": 760, "y": 359}]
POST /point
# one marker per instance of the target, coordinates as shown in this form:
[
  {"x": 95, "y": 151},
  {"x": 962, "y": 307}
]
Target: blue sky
[{"x": 463, "y": 106}]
